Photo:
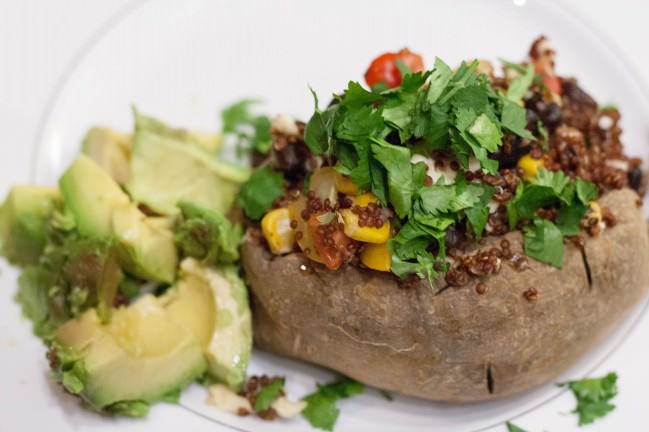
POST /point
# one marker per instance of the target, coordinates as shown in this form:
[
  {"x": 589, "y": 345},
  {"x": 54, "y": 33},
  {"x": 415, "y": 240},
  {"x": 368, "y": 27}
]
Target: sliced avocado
[
  {"x": 228, "y": 348},
  {"x": 165, "y": 170},
  {"x": 24, "y": 218},
  {"x": 208, "y": 142},
  {"x": 145, "y": 245},
  {"x": 111, "y": 150},
  {"x": 91, "y": 194},
  {"x": 142, "y": 355},
  {"x": 102, "y": 210},
  {"x": 191, "y": 303}
]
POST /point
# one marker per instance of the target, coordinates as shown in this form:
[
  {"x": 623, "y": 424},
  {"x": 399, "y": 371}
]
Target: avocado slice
[
  {"x": 228, "y": 348},
  {"x": 166, "y": 170},
  {"x": 111, "y": 150},
  {"x": 24, "y": 219},
  {"x": 142, "y": 355},
  {"x": 91, "y": 194},
  {"x": 101, "y": 209},
  {"x": 205, "y": 141},
  {"x": 145, "y": 244}
]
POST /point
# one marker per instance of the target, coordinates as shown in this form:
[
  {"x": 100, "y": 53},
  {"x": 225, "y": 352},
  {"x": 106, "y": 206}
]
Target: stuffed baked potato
[{"x": 461, "y": 237}]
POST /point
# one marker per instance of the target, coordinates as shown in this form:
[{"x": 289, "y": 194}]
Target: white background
[{"x": 38, "y": 40}]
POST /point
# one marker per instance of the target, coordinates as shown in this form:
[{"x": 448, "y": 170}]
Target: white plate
[{"x": 184, "y": 62}]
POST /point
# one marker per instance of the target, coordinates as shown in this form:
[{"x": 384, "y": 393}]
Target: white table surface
[{"x": 39, "y": 39}]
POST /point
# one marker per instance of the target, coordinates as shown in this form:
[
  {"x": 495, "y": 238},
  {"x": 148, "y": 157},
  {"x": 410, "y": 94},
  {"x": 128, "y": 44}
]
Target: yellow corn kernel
[
  {"x": 345, "y": 185},
  {"x": 365, "y": 199},
  {"x": 530, "y": 166},
  {"x": 276, "y": 226},
  {"x": 377, "y": 257},
  {"x": 365, "y": 234},
  {"x": 595, "y": 211}
]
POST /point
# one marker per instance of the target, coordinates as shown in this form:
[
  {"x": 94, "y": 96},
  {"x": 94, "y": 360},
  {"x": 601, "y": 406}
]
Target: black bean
[
  {"x": 635, "y": 178},
  {"x": 532, "y": 121},
  {"x": 551, "y": 116}
]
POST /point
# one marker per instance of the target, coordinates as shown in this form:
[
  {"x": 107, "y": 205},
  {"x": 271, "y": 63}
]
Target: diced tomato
[
  {"x": 332, "y": 252},
  {"x": 384, "y": 68},
  {"x": 550, "y": 80}
]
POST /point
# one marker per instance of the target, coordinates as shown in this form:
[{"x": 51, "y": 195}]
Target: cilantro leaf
[
  {"x": 513, "y": 119},
  {"x": 251, "y": 130},
  {"x": 358, "y": 124},
  {"x": 478, "y": 214},
  {"x": 543, "y": 241},
  {"x": 258, "y": 193},
  {"x": 321, "y": 410},
  {"x": 267, "y": 395},
  {"x": 357, "y": 97},
  {"x": 319, "y": 130},
  {"x": 593, "y": 397},
  {"x": 486, "y": 133},
  {"x": 586, "y": 191},
  {"x": 556, "y": 180},
  {"x": 569, "y": 218},
  {"x": 396, "y": 161},
  {"x": 511, "y": 427},
  {"x": 439, "y": 79},
  {"x": 520, "y": 85}
]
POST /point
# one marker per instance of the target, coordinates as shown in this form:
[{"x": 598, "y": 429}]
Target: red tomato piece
[
  {"x": 384, "y": 68},
  {"x": 330, "y": 241}
]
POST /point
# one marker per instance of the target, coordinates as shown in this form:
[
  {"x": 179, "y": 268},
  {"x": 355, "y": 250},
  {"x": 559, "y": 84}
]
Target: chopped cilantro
[
  {"x": 544, "y": 242},
  {"x": 252, "y": 131},
  {"x": 396, "y": 161},
  {"x": 258, "y": 193},
  {"x": 519, "y": 86},
  {"x": 593, "y": 397},
  {"x": 267, "y": 395},
  {"x": 511, "y": 427},
  {"x": 321, "y": 410}
]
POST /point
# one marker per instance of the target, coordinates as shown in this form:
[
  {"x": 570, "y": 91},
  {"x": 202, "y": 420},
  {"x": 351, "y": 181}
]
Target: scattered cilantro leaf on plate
[
  {"x": 321, "y": 410},
  {"x": 511, "y": 427},
  {"x": 593, "y": 397},
  {"x": 267, "y": 395}
]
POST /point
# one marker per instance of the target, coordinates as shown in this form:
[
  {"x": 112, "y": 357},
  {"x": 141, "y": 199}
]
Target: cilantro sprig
[
  {"x": 251, "y": 131},
  {"x": 321, "y": 410},
  {"x": 543, "y": 239},
  {"x": 593, "y": 397}
]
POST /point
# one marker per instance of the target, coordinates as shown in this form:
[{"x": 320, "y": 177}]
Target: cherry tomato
[
  {"x": 384, "y": 68},
  {"x": 330, "y": 241}
]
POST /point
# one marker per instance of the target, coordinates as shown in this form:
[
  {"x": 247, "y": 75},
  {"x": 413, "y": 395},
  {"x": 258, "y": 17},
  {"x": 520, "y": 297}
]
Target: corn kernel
[
  {"x": 345, "y": 185},
  {"x": 530, "y": 166},
  {"x": 276, "y": 226},
  {"x": 365, "y": 234},
  {"x": 377, "y": 257}
]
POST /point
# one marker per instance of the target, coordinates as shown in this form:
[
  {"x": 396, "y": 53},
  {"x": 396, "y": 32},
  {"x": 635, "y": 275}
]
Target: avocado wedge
[
  {"x": 166, "y": 168},
  {"x": 219, "y": 297},
  {"x": 139, "y": 358}
]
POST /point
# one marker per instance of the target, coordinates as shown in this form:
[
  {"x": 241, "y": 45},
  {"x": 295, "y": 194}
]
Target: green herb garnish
[
  {"x": 252, "y": 131},
  {"x": 593, "y": 397},
  {"x": 511, "y": 427},
  {"x": 259, "y": 192},
  {"x": 267, "y": 395},
  {"x": 321, "y": 410}
]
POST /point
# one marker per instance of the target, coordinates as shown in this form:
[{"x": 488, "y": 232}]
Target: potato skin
[{"x": 456, "y": 345}]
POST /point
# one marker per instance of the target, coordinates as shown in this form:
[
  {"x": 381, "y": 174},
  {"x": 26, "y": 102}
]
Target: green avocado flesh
[
  {"x": 24, "y": 218},
  {"x": 111, "y": 150},
  {"x": 102, "y": 210},
  {"x": 167, "y": 169},
  {"x": 218, "y": 297},
  {"x": 141, "y": 355}
]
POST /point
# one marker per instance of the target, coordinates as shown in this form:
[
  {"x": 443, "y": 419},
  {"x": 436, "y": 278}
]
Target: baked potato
[{"x": 454, "y": 344}]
